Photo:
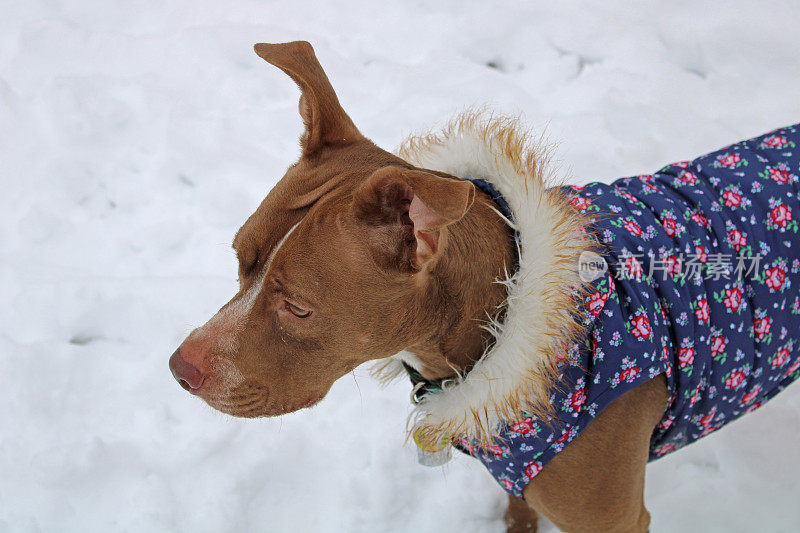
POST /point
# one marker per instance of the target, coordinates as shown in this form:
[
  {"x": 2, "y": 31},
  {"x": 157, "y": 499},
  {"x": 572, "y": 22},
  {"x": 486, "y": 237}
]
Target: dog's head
[{"x": 335, "y": 265}]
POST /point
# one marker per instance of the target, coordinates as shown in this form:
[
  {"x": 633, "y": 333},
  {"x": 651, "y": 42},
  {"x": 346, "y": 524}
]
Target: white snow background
[{"x": 136, "y": 137}]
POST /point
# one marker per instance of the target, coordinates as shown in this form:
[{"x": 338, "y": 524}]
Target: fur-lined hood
[{"x": 519, "y": 370}]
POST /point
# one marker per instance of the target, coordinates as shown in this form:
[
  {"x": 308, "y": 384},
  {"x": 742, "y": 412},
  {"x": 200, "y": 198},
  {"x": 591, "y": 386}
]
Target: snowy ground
[{"x": 135, "y": 137}]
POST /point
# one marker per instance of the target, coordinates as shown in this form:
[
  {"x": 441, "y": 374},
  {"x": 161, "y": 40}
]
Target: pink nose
[{"x": 188, "y": 375}]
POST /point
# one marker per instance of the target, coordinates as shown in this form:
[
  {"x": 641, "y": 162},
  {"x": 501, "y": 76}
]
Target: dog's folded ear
[
  {"x": 325, "y": 120},
  {"x": 406, "y": 212}
]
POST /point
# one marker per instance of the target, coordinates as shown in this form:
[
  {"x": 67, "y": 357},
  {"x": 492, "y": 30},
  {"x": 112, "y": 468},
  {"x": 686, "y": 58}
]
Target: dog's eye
[{"x": 299, "y": 312}]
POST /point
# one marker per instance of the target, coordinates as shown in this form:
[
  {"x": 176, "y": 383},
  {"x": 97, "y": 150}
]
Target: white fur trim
[{"x": 516, "y": 374}]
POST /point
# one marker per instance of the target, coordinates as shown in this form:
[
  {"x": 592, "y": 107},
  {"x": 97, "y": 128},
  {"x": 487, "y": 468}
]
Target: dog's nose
[{"x": 188, "y": 375}]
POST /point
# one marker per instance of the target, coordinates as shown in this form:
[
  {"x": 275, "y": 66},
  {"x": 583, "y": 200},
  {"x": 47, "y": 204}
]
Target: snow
[{"x": 135, "y": 138}]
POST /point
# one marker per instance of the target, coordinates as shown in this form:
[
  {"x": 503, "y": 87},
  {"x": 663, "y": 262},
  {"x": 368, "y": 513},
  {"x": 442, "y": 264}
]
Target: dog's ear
[
  {"x": 325, "y": 120},
  {"x": 406, "y": 212}
]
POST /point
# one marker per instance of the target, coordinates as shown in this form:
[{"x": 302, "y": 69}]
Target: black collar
[{"x": 421, "y": 385}]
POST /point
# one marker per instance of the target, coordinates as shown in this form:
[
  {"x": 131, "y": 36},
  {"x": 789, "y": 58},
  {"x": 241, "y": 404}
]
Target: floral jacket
[{"x": 703, "y": 285}]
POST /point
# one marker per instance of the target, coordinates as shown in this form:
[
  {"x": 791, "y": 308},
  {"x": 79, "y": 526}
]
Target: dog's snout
[{"x": 189, "y": 376}]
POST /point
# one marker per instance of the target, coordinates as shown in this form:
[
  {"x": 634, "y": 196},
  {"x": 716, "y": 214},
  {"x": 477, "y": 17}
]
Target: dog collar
[
  {"x": 505, "y": 210},
  {"x": 422, "y": 386},
  {"x": 494, "y": 194}
]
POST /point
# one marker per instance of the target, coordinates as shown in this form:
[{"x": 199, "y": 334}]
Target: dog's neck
[
  {"x": 542, "y": 296},
  {"x": 479, "y": 252}
]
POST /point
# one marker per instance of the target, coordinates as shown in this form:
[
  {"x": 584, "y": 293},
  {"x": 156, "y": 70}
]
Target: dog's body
[
  {"x": 358, "y": 254},
  {"x": 702, "y": 285}
]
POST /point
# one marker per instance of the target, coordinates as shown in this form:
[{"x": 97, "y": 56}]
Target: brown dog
[{"x": 357, "y": 255}]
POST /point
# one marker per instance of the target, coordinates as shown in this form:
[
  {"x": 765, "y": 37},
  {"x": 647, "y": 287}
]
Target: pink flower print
[
  {"x": 579, "y": 202},
  {"x": 688, "y": 177},
  {"x": 532, "y": 468},
  {"x": 629, "y": 373},
  {"x": 780, "y": 358},
  {"x": 775, "y": 278},
  {"x": 701, "y": 253},
  {"x": 733, "y": 298},
  {"x": 780, "y": 175},
  {"x": 761, "y": 327},
  {"x": 775, "y": 141},
  {"x": 718, "y": 345},
  {"x": 578, "y": 399},
  {"x": 641, "y": 327},
  {"x": 633, "y": 268},
  {"x": 663, "y": 450},
  {"x": 496, "y": 450},
  {"x": 732, "y": 199},
  {"x": 669, "y": 226},
  {"x": 522, "y": 427},
  {"x": 735, "y": 379},
  {"x": 729, "y": 160},
  {"x": 702, "y": 311},
  {"x": 673, "y": 265},
  {"x": 706, "y": 420},
  {"x": 700, "y": 218},
  {"x": 754, "y": 407},
  {"x": 564, "y": 436},
  {"x": 795, "y": 366},
  {"x": 737, "y": 239},
  {"x": 695, "y": 398},
  {"x": 781, "y": 215},
  {"x": 507, "y": 484},
  {"x": 632, "y": 227},
  {"x": 596, "y": 302},
  {"x": 750, "y": 396},
  {"x": 685, "y": 357},
  {"x": 710, "y": 429},
  {"x": 464, "y": 443}
]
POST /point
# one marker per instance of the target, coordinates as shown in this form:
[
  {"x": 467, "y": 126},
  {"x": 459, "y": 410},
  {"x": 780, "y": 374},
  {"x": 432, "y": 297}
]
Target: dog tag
[
  {"x": 437, "y": 458},
  {"x": 429, "y": 454}
]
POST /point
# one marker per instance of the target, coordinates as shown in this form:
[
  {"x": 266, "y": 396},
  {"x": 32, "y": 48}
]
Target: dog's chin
[{"x": 251, "y": 410}]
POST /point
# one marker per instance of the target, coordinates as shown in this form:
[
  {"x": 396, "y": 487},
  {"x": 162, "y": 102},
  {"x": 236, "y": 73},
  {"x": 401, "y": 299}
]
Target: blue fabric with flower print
[{"x": 703, "y": 286}]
